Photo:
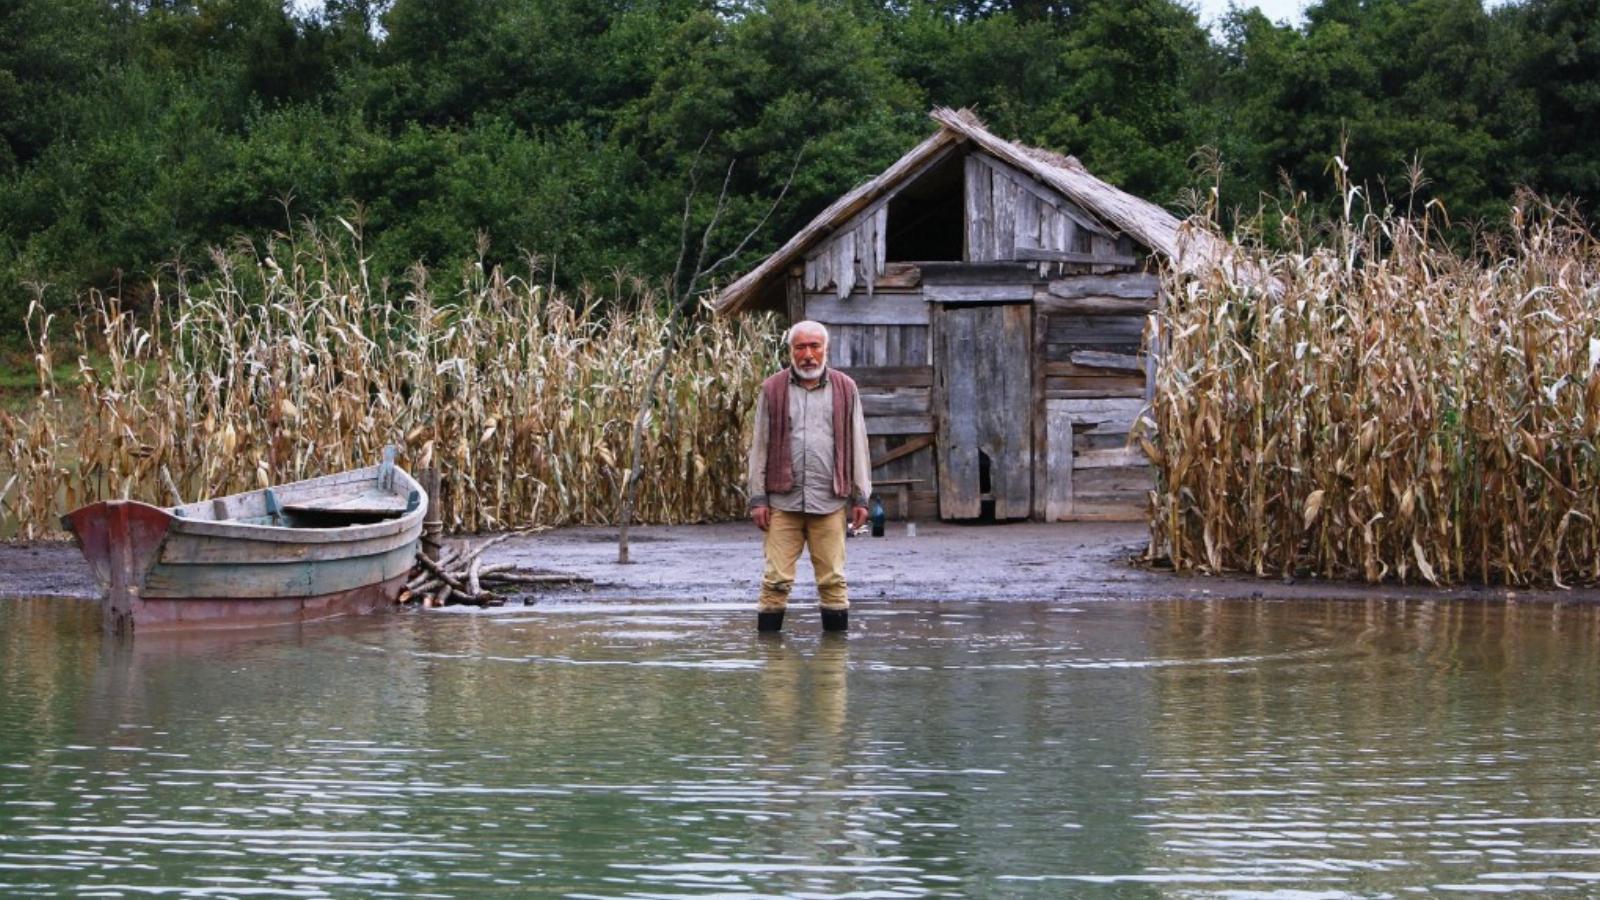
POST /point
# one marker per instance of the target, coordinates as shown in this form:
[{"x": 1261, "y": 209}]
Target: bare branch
[
  {"x": 750, "y": 235},
  {"x": 705, "y": 236},
  {"x": 680, "y": 305},
  {"x": 683, "y": 227}
]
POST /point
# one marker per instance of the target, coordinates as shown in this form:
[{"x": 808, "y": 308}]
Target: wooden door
[{"x": 982, "y": 401}]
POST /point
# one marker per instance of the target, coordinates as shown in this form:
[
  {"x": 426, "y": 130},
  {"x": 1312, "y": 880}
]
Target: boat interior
[{"x": 335, "y": 501}]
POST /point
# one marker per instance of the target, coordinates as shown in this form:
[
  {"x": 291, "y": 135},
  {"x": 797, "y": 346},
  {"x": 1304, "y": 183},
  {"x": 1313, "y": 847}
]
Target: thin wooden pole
[{"x": 432, "y": 525}]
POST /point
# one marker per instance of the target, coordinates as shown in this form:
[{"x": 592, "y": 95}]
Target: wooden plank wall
[
  {"x": 1090, "y": 392},
  {"x": 855, "y": 255},
  {"x": 981, "y": 388},
  {"x": 1089, "y": 387},
  {"x": 1089, "y": 312},
  {"x": 1010, "y": 215},
  {"x": 882, "y": 342}
]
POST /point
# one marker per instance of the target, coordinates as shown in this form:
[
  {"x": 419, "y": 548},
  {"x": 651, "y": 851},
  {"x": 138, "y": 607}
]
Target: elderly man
[{"x": 809, "y": 468}]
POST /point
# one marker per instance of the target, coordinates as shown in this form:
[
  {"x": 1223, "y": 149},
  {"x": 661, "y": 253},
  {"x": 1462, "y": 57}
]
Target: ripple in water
[{"x": 1283, "y": 750}]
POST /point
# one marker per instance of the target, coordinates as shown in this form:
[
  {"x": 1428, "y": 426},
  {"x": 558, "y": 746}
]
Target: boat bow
[{"x": 121, "y": 539}]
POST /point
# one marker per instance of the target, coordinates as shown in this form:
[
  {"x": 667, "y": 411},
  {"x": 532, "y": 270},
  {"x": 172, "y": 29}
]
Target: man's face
[{"x": 809, "y": 352}]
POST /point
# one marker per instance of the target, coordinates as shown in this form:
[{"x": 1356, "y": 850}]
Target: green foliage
[
  {"x": 1384, "y": 84},
  {"x": 796, "y": 87},
  {"x": 135, "y": 134},
  {"x": 48, "y": 49},
  {"x": 1560, "y": 67},
  {"x": 1133, "y": 116}
]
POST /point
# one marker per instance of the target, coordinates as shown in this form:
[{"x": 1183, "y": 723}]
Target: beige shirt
[{"x": 810, "y": 452}]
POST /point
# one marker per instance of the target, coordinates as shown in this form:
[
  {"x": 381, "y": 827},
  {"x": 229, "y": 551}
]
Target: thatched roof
[{"x": 1143, "y": 221}]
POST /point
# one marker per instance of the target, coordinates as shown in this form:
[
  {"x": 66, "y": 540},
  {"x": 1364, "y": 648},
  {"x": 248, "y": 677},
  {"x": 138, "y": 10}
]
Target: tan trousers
[{"x": 787, "y": 534}]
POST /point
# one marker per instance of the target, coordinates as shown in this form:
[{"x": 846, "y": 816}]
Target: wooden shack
[{"x": 992, "y": 301}]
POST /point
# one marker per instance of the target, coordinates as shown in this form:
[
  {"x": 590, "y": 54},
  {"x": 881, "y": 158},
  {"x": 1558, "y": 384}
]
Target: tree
[
  {"x": 1386, "y": 83},
  {"x": 1129, "y": 108},
  {"x": 781, "y": 76},
  {"x": 49, "y": 49},
  {"x": 1560, "y": 70}
]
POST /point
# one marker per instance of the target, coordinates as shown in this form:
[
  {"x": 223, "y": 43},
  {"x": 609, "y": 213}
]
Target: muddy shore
[{"x": 722, "y": 563}]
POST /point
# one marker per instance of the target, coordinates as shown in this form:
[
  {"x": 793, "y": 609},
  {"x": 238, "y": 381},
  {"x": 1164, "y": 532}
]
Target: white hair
[{"x": 808, "y": 325}]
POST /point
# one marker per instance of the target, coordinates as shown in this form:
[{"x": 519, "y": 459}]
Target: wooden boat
[{"x": 322, "y": 548}]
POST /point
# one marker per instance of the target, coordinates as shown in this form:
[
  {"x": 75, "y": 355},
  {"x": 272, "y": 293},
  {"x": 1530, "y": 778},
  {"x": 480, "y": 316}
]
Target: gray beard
[{"x": 809, "y": 374}]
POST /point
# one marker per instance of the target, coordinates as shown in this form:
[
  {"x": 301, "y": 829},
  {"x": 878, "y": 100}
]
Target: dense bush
[{"x": 133, "y": 134}]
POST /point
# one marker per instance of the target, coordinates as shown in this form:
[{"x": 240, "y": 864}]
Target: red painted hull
[
  {"x": 196, "y": 613},
  {"x": 121, "y": 540}
]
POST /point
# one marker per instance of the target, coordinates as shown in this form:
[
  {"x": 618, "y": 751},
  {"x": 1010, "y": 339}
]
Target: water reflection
[
  {"x": 1440, "y": 745},
  {"x": 1107, "y": 749}
]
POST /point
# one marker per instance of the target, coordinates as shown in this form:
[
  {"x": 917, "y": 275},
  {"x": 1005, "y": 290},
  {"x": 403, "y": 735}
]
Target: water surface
[{"x": 1114, "y": 749}]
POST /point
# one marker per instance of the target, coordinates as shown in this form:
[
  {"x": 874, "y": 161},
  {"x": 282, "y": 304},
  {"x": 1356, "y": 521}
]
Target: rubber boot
[
  {"x": 769, "y": 622},
  {"x": 836, "y": 620}
]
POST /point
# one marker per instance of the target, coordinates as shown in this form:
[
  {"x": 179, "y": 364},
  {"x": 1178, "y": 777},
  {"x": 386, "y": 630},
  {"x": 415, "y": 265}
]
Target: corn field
[
  {"x": 285, "y": 363},
  {"x": 1382, "y": 407}
]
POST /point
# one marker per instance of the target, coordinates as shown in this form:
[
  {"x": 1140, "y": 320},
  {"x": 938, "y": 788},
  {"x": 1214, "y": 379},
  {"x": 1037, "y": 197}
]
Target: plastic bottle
[{"x": 875, "y": 513}]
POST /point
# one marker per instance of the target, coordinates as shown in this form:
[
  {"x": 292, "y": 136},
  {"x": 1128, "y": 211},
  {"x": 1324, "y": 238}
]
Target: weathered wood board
[
  {"x": 1100, "y": 333},
  {"x": 1006, "y": 195},
  {"x": 908, "y": 401},
  {"x": 1094, "y": 387},
  {"x": 977, "y": 293},
  {"x": 1038, "y": 411},
  {"x": 1048, "y": 254},
  {"x": 1100, "y": 491},
  {"x": 955, "y": 407},
  {"x": 1094, "y": 306},
  {"x": 899, "y": 276},
  {"x": 978, "y": 273},
  {"x": 885, "y": 425},
  {"x": 1130, "y": 286},
  {"x": 1108, "y": 416},
  {"x": 859, "y": 309},
  {"x": 853, "y": 347},
  {"x": 794, "y": 294},
  {"x": 982, "y": 403},
  {"x": 979, "y": 212},
  {"x": 891, "y": 376},
  {"x": 1058, "y": 494}
]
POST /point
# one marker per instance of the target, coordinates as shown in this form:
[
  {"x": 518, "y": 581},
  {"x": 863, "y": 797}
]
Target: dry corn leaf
[
  {"x": 1422, "y": 562},
  {"x": 1313, "y": 507}
]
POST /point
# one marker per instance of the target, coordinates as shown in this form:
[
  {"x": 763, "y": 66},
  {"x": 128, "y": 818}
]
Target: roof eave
[
  {"x": 1159, "y": 235},
  {"x": 738, "y": 295},
  {"x": 1140, "y": 219}
]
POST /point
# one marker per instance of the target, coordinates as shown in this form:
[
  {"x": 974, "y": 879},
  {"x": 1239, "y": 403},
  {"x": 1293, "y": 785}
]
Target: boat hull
[
  {"x": 167, "y": 569},
  {"x": 159, "y": 614}
]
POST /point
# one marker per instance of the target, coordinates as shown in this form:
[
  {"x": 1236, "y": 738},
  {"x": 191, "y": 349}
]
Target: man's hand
[
  {"x": 858, "y": 516},
  {"x": 762, "y": 516}
]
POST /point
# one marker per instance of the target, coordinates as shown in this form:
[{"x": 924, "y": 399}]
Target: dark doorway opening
[{"x": 927, "y": 217}]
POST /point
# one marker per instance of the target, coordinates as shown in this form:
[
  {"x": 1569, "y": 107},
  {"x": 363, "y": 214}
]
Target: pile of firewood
[{"x": 459, "y": 576}]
